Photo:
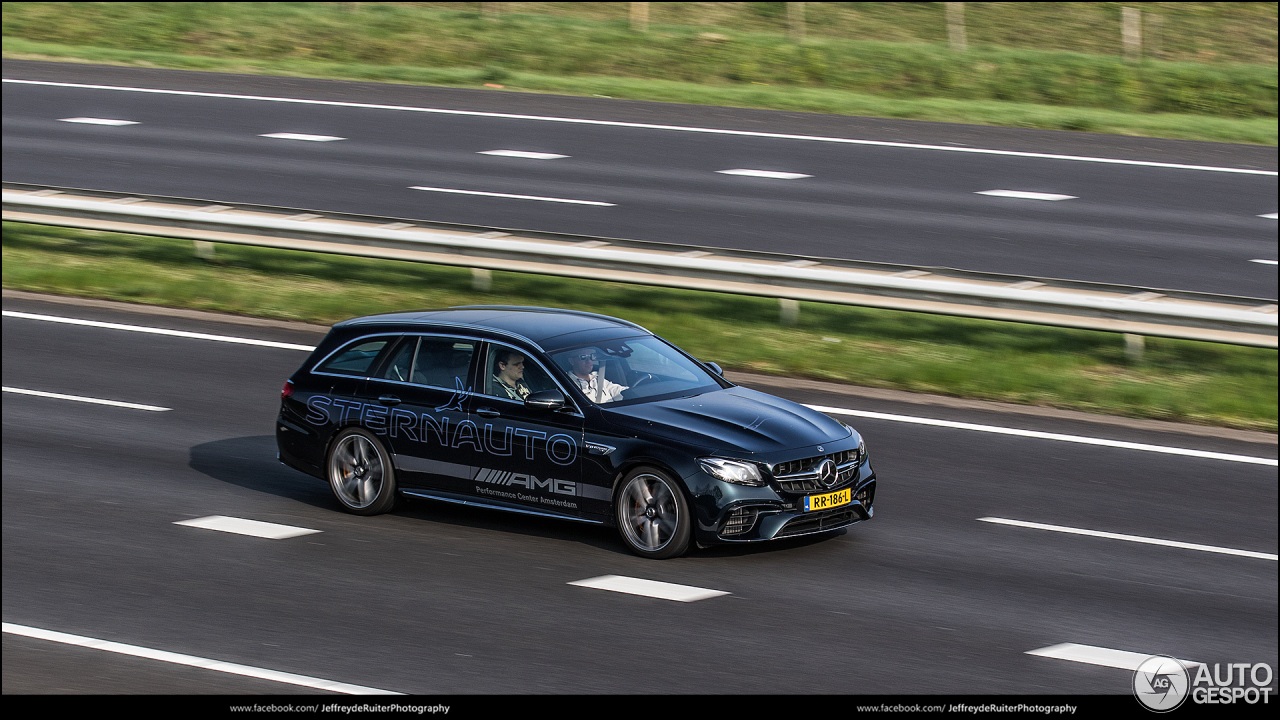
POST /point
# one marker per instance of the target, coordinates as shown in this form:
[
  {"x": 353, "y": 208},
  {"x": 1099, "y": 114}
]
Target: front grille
[
  {"x": 801, "y": 476},
  {"x": 740, "y": 521},
  {"x": 821, "y": 520}
]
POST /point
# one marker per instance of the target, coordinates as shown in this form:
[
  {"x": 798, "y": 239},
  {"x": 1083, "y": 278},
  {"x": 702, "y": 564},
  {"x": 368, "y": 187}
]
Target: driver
[
  {"x": 509, "y": 378},
  {"x": 596, "y": 388}
]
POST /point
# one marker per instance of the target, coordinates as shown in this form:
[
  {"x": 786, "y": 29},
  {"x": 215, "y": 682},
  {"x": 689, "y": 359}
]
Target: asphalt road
[
  {"x": 915, "y": 200},
  {"x": 431, "y": 598}
]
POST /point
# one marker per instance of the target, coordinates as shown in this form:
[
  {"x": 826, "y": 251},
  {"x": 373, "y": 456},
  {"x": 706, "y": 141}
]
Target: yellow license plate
[{"x": 830, "y": 500}]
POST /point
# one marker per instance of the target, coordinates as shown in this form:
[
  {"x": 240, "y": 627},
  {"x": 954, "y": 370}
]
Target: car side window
[
  {"x": 508, "y": 367},
  {"x": 397, "y": 366},
  {"x": 355, "y": 359},
  {"x": 443, "y": 362}
]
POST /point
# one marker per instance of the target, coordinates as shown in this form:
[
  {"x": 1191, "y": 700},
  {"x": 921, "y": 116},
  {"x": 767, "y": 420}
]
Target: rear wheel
[
  {"x": 360, "y": 473},
  {"x": 653, "y": 517}
]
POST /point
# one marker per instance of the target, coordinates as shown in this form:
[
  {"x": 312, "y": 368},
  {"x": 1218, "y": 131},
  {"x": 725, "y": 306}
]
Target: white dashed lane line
[
  {"x": 1130, "y": 538},
  {"x": 648, "y": 588},
  {"x": 644, "y": 126},
  {"x": 157, "y": 331},
  {"x": 765, "y": 174},
  {"x": 1024, "y": 195},
  {"x": 97, "y": 121},
  {"x": 513, "y": 197},
  {"x": 1047, "y": 436},
  {"x": 522, "y": 154},
  {"x": 1269, "y": 216},
  {"x": 1094, "y": 655},
  {"x": 240, "y": 526},
  {"x": 1264, "y": 262},
  {"x": 193, "y": 661},
  {"x": 80, "y": 398},
  {"x": 820, "y": 408},
  {"x": 301, "y": 136}
]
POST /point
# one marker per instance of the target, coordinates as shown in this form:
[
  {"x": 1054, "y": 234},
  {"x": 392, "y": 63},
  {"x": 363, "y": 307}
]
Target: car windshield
[{"x": 635, "y": 369}]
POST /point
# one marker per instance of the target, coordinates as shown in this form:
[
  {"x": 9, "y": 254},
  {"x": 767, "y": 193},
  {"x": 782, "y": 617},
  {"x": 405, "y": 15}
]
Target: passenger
[
  {"x": 509, "y": 378},
  {"x": 598, "y": 389}
]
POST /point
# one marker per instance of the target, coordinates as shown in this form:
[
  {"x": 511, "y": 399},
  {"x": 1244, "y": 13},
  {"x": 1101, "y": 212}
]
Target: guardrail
[{"x": 1041, "y": 301}]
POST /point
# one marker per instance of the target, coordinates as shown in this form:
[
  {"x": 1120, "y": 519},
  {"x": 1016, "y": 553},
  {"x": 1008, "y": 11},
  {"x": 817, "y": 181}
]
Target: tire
[
  {"x": 652, "y": 514},
  {"x": 360, "y": 473}
]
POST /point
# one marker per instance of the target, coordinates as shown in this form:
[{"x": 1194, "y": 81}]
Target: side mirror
[
  {"x": 545, "y": 400},
  {"x": 715, "y": 368}
]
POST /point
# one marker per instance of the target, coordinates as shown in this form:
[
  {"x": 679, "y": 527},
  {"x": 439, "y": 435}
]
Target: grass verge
[
  {"x": 1177, "y": 380},
  {"x": 1179, "y": 126}
]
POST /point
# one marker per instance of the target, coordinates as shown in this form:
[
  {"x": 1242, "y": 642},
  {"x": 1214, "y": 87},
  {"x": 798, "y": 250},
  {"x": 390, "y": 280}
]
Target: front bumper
[{"x": 728, "y": 513}]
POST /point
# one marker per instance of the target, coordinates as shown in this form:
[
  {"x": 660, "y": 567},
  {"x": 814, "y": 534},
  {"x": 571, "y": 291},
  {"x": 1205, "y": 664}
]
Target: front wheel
[
  {"x": 653, "y": 517},
  {"x": 360, "y": 473}
]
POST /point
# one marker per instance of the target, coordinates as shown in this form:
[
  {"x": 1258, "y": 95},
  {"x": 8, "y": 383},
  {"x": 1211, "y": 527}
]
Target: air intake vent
[{"x": 740, "y": 521}]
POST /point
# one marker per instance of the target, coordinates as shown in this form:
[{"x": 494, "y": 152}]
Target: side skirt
[{"x": 495, "y": 506}]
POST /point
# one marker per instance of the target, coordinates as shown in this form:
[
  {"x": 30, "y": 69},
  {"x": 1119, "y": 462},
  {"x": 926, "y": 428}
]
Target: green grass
[
  {"x": 1259, "y": 131},
  {"x": 1177, "y": 380},
  {"x": 844, "y": 67}
]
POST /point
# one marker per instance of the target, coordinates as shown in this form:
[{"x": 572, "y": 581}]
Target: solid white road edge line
[
  {"x": 1047, "y": 436},
  {"x": 157, "y": 331},
  {"x": 78, "y": 398},
  {"x": 1129, "y": 538},
  {"x": 97, "y": 121},
  {"x": 765, "y": 174},
  {"x": 193, "y": 661},
  {"x": 240, "y": 526},
  {"x": 302, "y": 136},
  {"x": 508, "y": 195},
  {"x": 648, "y": 588},
  {"x": 1024, "y": 195},
  {"x": 522, "y": 154},
  {"x": 819, "y": 408},
  {"x": 648, "y": 126},
  {"x": 1094, "y": 655}
]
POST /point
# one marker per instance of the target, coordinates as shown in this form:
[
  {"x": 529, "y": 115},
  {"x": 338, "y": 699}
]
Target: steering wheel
[{"x": 647, "y": 377}]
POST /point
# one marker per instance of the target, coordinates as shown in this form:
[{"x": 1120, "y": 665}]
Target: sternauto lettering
[{"x": 323, "y": 410}]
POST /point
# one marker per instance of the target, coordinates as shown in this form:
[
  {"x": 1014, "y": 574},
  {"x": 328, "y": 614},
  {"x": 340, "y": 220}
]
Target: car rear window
[{"x": 355, "y": 359}]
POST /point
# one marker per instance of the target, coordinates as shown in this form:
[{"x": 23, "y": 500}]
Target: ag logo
[{"x": 1160, "y": 683}]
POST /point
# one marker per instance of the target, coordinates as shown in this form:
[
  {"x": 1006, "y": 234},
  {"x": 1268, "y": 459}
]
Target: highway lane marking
[
  {"x": 1130, "y": 538},
  {"x": 193, "y": 661},
  {"x": 522, "y": 154},
  {"x": 648, "y": 126},
  {"x": 508, "y": 195},
  {"x": 819, "y": 408},
  {"x": 648, "y": 588},
  {"x": 1094, "y": 655},
  {"x": 97, "y": 121},
  {"x": 302, "y": 136},
  {"x": 240, "y": 526},
  {"x": 1265, "y": 262},
  {"x": 78, "y": 398},
  {"x": 765, "y": 174},
  {"x": 157, "y": 331},
  {"x": 1025, "y": 195},
  {"x": 1047, "y": 436},
  {"x": 1269, "y": 216}
]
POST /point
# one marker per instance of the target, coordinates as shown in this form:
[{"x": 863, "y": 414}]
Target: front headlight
[
  {"x": 862, "y": 450},
  {"x": 733, "y": 471}
]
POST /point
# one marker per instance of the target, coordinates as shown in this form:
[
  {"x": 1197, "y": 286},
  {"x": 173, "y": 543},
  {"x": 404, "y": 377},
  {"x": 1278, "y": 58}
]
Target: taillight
[{"x": 287, "y": 390}]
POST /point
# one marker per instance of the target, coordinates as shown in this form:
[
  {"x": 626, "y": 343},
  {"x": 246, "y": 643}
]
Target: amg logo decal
[{"x": 529, "y": 482}]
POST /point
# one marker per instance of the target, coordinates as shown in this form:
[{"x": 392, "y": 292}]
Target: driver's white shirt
[{"x": 598, "y": 389}]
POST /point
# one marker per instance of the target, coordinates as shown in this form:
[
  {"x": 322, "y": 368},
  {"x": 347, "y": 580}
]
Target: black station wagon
[{"x": 569, "y": 415}]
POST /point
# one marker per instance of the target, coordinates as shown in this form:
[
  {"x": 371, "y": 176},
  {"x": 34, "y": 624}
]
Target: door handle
[
  {"x": 388, "y": 399},
  {"x": 487, "y": 412}
]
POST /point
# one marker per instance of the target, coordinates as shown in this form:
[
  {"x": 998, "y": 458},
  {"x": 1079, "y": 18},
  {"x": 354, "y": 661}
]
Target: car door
[
  {"x": 422, "y": 394},
  {"x": 529, "y": 457}
]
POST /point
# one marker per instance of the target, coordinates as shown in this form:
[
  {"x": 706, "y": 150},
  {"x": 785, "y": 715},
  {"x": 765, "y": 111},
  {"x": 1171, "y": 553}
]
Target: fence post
[
  {"x": 640, "y": 17},
  {"x": 955, "y": 27},
  {"x": 788, "y": 311},
  {"x": 481, "y": 280},
  {"x": 1134, "y": 346},
  {"x": 204, "y": 249},
  {"x": 795, "y": 20},
  {"x": 1131, "y": 33}
]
